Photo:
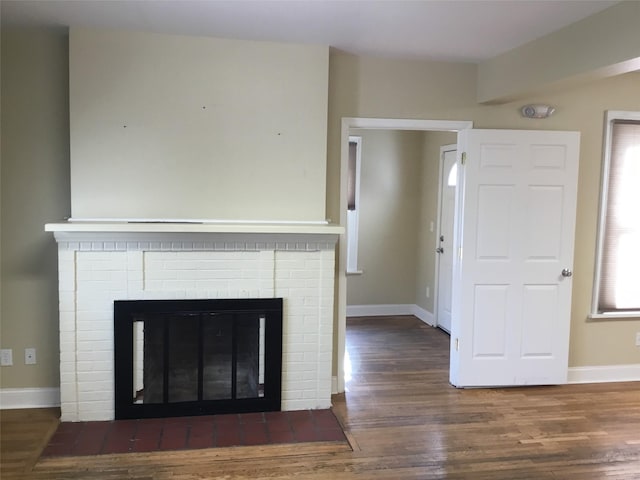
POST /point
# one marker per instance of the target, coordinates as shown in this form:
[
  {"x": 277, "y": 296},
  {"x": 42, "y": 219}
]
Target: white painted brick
[
  {"x": 152, "y": 285},
  {"x": 67, "y": 357},
  {"x": 160, "y": 274},
  {"x": 68, "y": 368},
  {"x": 67, "y": 378},
  {"x": 96, "y": 407},
  {"x": 255, "y": 275},
  {"x": 95, "y": 356},
  {"x": 93, "y": 377},
  {"x": 93, "y": 386},
  {"x": 67, "y": 395},
  {"x": 178, "y": 284},
  {"x": 106, "y": 344}
]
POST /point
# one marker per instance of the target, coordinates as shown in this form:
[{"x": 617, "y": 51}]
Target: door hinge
[
  {"x": 464, "y": 158},
  {"x": 460, "y": 253},
  {"x": 457, "y": 344}
]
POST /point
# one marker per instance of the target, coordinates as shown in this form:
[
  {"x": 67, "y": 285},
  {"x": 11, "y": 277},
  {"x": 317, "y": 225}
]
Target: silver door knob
[
  {"x": 440, "y": 250},
  {"x": 566, "y": 272}
]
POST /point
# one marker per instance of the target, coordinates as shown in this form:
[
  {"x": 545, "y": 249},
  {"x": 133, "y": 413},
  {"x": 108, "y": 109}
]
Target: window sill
[{"x": 632, "y": 315}]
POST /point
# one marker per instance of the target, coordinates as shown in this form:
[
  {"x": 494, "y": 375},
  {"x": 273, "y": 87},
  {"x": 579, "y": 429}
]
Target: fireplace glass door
[{"x": 188, "y": 357}]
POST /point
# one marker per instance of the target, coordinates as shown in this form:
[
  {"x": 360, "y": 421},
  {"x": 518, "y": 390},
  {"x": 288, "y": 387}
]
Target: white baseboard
[
  {"x": 424, "y": 315},
  {"x": 379, "y": 310},
  {"x": 12, "y": 398},
  {"x": 391, "y": 309},
  {"x": 602, "y": 374},
  {"x": 334, "y": 385}
]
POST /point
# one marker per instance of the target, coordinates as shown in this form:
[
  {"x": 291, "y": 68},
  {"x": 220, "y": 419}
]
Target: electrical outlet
[
  {"x": 29, "y": 356},
  {"x": 6, "y": 357},
  {"x": 637, "y": 339},
  {"x": 427, "y": 292}
]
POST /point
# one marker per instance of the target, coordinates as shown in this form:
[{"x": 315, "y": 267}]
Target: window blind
[{"x": 619, "y": 288}]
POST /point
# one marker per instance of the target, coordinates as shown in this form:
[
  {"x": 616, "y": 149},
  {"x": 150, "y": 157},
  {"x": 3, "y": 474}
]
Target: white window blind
[{"x": 618, "y": 285}]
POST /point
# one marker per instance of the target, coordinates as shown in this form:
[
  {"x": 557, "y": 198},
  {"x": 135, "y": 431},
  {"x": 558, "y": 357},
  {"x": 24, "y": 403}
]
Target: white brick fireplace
[{"x": 103, "y": 262}]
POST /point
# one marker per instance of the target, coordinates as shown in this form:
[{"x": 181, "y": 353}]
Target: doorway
[
  {"x": 370, "y": 124},
  {"x": 446, "y": 213}
]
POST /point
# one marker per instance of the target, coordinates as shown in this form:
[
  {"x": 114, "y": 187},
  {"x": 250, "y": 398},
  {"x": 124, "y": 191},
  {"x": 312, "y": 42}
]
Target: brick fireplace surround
[{"x": 100, "y": 262}]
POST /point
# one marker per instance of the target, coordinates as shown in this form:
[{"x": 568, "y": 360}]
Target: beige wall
[
  {"x": 427, "y": 240},
  {"x": 373, "y": 87},
  {"x": 167, "y": 126},
  {"x": 602, "y": 45},
  {"x": 35, "y": 190},
  {"x": 399, "y": 200},
  {"x": 35, "y": 173},
  {"x": 388, "y": 213}
]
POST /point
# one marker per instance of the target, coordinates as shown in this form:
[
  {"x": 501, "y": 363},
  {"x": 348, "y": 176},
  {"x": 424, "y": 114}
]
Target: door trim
[
  {"x": 436, "y": 283},
  {"x": 380, "y": 124}
]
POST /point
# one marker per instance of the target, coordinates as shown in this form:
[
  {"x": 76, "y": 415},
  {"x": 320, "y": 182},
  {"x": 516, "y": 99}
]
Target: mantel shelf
[{"x": 171, "y": 228}]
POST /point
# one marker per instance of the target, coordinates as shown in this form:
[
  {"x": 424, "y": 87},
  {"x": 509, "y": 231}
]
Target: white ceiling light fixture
[{"x": 537, "y": 111}]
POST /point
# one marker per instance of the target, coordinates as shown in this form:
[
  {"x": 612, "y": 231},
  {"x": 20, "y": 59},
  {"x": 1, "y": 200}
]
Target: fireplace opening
[{"x": 197, "y": 357}]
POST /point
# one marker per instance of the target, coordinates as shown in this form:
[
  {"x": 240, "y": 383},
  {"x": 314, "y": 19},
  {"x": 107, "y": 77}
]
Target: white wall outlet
[
  {"x": 428, "y": 292},
  {"x": 29, "y": 356},
  {"x": 6, "y": 357},
  {"x": 637, "y": 339},
  {"x": 431, "y": 226}
]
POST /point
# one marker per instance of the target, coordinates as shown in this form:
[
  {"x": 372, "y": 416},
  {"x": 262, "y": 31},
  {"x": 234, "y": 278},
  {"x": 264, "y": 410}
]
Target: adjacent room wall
[
  {"x": 176, "y": 127},
  {"x": 427, "y": 239},
  {"x": 384, "y": 88},
  {"x": 35, "y": 190},
  {"x": 388, "y": 212}
]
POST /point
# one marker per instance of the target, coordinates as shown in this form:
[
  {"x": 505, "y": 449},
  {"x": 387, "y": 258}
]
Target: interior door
[
  {"x": 448, "y": 179},
  {"x": 514, "y": 235}
]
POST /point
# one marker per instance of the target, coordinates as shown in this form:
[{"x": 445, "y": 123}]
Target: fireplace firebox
[{"x": 197, "y": 357}]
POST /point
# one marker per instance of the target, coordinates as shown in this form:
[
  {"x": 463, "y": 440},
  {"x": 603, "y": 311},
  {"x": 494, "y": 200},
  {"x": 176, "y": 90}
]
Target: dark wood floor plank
[{"x": 404, "y": 421}]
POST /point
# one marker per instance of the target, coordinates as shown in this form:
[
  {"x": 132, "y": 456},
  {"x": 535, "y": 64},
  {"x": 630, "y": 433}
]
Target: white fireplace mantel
[
  {"x": 100, "y": 262},
  {"x": 124, "y": 230}
]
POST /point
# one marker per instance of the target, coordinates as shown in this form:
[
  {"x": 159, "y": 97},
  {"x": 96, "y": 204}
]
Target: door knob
[
  {"x": 566, "y": 272},
  {"x": 440, "y": 250}
]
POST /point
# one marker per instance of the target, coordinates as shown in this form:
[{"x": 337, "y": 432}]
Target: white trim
[
  {"x": 610, "y": 116},
  {"x": 622, "y": 315},
  {"x": 196, "y": 220},
  {"x": 424, "y": 315},
  {"x": 14, "y": 398},
  {"x": 123, "y": 228},
  {"x": 334, "y": 385},
  {"x": 407, "y": 124},
  {"x": 604, "y": 374},
  {"x": 383, "y": 310},
  {"x": 386, "y": 310},
  {"x": 353, "y": 217},
  {"x": 369, "y": 123},
  {"x": 436, "y": 273}
]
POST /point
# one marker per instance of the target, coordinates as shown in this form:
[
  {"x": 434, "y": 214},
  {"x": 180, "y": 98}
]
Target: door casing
[{"x": 371, "y": 124}]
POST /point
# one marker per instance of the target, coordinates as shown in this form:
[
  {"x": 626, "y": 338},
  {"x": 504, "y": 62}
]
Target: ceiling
[{"x": 450, "y": 30}]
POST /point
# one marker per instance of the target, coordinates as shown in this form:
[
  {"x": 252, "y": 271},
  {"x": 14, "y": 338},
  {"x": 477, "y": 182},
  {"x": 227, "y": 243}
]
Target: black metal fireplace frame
[{"x": 126, "y": 312}]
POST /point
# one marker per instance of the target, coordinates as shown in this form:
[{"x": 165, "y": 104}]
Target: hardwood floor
[{"x": 404, "y": 421}]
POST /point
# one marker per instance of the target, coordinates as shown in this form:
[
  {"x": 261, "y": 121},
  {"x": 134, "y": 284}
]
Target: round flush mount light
[{"x": 537, "y": 111}]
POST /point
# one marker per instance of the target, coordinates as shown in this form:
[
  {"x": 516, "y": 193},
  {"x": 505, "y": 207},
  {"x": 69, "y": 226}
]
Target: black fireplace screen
[{"x": 197, "y": 357}]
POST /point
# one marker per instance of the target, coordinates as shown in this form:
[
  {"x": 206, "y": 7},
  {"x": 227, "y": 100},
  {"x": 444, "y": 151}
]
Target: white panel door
[
  {"x": 448, "y": 178},
  {"x": 514, "y": 235}
]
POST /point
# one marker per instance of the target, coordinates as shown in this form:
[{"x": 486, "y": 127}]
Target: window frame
[
  {"x": 353, "y": 227},
  {"x": 610, "y": 117}
]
